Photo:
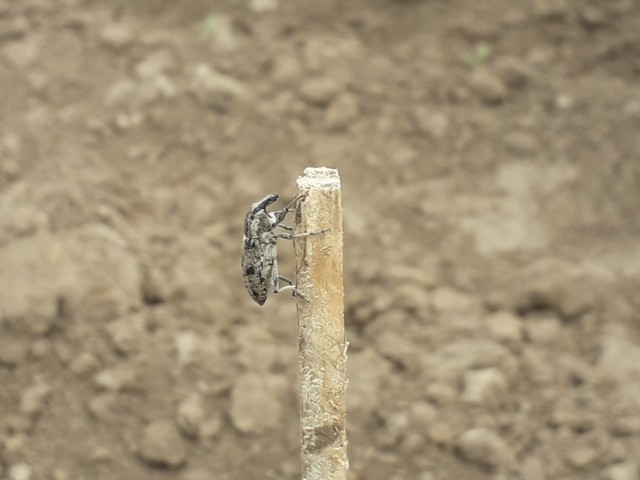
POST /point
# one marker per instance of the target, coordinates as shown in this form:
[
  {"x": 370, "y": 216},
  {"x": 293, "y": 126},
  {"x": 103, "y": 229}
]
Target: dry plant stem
[{"x": 322, "y": 347}]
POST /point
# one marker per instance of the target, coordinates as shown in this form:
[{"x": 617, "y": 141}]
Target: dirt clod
[
  {"x": 34, "y": 399},
  {"x": 191, "y": 415},
  {"x": 320, "y": 91},
  {"x": 484, "y": 447},
  {"x": 488, "y": 86},
  {"x": 20, "y": 471},
  {"x": 256, "y": 402},
  {"x": 162, "y": 446}
]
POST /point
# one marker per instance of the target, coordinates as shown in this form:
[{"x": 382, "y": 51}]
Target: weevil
[{"x": 259, "y": 250}]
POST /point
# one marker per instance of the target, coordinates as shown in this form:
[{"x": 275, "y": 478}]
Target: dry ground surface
[{"x": 489, "y": 152}]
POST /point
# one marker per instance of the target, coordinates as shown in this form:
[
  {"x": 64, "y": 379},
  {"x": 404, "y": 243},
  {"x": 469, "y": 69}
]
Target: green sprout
[
  {"x": 479, "y": 55},
  {"x": 210, "y": 25}
]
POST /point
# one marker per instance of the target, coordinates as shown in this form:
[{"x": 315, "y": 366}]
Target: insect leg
[
  {"x": 290, "y": 236},
  {"x": 281, "y": 214},
  {"x": 289, "y": 287},
  {"x": 309, "y": 234},
  {"x": 275, "y": 280}
]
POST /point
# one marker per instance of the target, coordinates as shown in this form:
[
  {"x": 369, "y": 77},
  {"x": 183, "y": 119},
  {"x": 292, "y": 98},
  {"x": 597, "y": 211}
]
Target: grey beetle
[{"x": 259, "y": 251}]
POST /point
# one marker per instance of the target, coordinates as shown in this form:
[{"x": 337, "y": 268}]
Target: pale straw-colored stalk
[{"x": 322, "y": 346}]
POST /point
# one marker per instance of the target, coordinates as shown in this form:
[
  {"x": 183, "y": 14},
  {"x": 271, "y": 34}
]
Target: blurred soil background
[{"x": 490, "y": 158}]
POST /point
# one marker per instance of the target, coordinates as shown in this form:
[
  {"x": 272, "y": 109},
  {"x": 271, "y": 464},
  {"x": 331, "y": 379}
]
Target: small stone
[
  {"x": 369, "y": 372},
  {"x": 158, "y": 88},
  {"x": 441, "y": 393},
  {"x": 441, "y": 434},
  {"x": 191, "y": 415},
  {"x": 413, "y": 297},
  {"x": 21, "y": 221},
  {"x": 16, "y": 28},
  {"x": 116, "y": 379},
  {"x": 474, "y": 29},
  {"x": 412, "y": 443},
  {"x": 23, "y": 53},
  {"x": 286, "y": 70},
  {"x": 533, "y": 469},
  {"x": 20, "y": 471},
  {"x": 34, "y": 398},
  {"x": 632, "y": 109},
  {"x": 60, "y": 475},
  {"x": 320, "y": 91},
  {"x": 101, "y": 406},
  {"x": 570, "y": 292},
  {"x": 564, "y": 101},
  {"x": 516, "y": 73},
  {"x": 187, "y": 347},
  {"x": 331, "y": 55},
  {"x": 18, "y": 424},
  {"x": 620, "y": 361},
  {"x": 505, "y": 326},
  {"x": 155, "y": 64},
  {"x": 116, "y": 36},
  {"x": 581, "y": 456},
  {"x": 263, "y": 5},
  {"x": 433, "y": 123},
  {"x": 521, "y": 143},
  {"x": 542, "y": 330},
  {"x": 396, "y": 348},
  {"x": 574, "y": 413},
  {"x": 448, "y": 300},
  {"x": 127, "y": 121},
  {"x": 84, "y": 363},
  {"x": 197, "y": 474},
  {"x": 126, "y": 334},
  {"x": 628, "y": 470},
  {"x": 162, "y": 446},
  {"x": 28, "y": 290},
  {"x": 39, "y": 81},
  {"x": 341, "y": 112},
  {"x": 419, "y": 277},
  {"x": 617, "y": 451},
  {"x": 10, "y": 169},
  {"x": 404, "y": 156},
  {"x": 211, "y": 426},
  {"x": 218, "y": 91},
  {"x": 426, "y": 476},
  {"x": 257, "y": 350},
  {"x": 41, "y": 348},
  {"x": 465, "y": 354},
  {"x": 154, "y": 286},
  {"x": 577, "y": 370},
  {"x": 422, "y": 415},
  {"x": 99, "y": 274},
  {"x": 592, "y": 18},
  {"x": 120, "y": 94},
  {"x": 100, "y": 454},
  {"x": 488, "y": 86},
  {"x": 484, "y": 386},
  {"x": 484, "y": 447},
  {"x": 13, "y": 351},
  {"x": 395, "y": 427},
  {"x": 623, "y": 426},
  {"x": 256, "y": 402}
]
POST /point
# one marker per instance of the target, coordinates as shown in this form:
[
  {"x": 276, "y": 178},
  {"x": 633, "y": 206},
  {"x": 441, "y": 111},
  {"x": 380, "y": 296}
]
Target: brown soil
[{"x": 489, "y": 153}]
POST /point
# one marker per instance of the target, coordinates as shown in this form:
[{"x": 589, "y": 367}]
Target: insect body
[{"x": 259, "y": 251}]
